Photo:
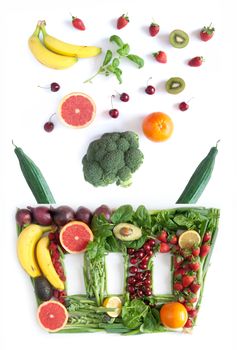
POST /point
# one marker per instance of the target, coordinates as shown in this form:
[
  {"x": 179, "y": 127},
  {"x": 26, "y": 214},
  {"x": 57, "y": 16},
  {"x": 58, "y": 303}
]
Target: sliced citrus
[
  {"x": 75, "y": 236},
  {"x": 188, "y": 239},
  {"x": 113, "y": 302},
  {"x": 52, "y": 315}
]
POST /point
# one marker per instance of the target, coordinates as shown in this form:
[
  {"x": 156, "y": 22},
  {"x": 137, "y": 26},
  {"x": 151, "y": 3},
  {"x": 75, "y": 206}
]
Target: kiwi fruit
[
  {"x": 178, "y": 38},
  {"x": 175, "y": 85}
]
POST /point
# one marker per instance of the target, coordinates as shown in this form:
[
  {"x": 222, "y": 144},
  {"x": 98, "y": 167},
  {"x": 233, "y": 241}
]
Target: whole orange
[
  {"x": 173, "y": 315},
  {"x": 158, "y": 126}
]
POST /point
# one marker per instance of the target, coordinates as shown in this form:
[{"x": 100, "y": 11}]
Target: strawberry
[
  {"x": 177, "y": 261},
  {"x": 78, "y": 23},
  {"x": 204, "y": 250},
  {"x": 196, "y": 61},
  {"x": 162, "y": 236},
  {"x": 188, "y": 324},
  {"x": 173, "y": 239},
  {"x": 195, "y": 287},
  {"x": 207, "y": 237},
  {"x": 207, "y": 33},
  {"x": 164, "y": 247},
  {"x": 122, "y": 21},
  {"x": 187, "y": 280},
  {"x": 160, "y": 56},
  {"x": 154, "y": 29},
  {"x": 181, "y": 299},
  {"x": 178, "y": 286},
  {"x": 188, "y": 306},
  {"x": 180, "y": 272},
  {"x": 196, "y": 251},
  {"x": 193, "y": 313},
  {"x": 194, "y": 266}
]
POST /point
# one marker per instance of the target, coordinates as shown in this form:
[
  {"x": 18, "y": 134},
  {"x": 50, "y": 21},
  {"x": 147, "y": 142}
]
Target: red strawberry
[
  {"x": 122, "y": 21},
  {"x": 193, "y": 313},
  {"x": 188, "y": 306},
  {"x": 196, "y": 251},
  {"x": 78, "y": 23},
  {"x": 196, "y": 61},
  {"x": 154, "y": 29},
  {"x": 173, "y": 239},
  {"x": 162, "y": 236},
  {"x": 177, "y": 261},
  {"x": 188, "y": 324},
  {"x": 179, "y": 272},
  {"x": 207, "y": 237},
  {"x": 181, "y": 299},
  {"x": 164, "y": 247},
  {"x": 195, "y": 287},
  {"x": 207, "y": 33},
  {"x": 204, "y": 250},
  {"x": 160, "y": 56},
  {"x": 187, "y": 280},
  {"x": 178, "y": 286},
  {"x": 194, "y": 266},
  {"x": 193, "y": 300}
]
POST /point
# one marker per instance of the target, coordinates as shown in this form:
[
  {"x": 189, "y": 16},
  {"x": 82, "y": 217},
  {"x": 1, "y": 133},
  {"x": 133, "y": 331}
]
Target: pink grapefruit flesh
[
  {"x": 77, "y": 110},
  {"x": 75, "y": 236},
  {"x": 52, "y": 316}
]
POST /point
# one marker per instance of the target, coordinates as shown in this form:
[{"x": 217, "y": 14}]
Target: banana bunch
[
  {"x": 34, "y": 256},
  {"x": 57, "y": 54}
]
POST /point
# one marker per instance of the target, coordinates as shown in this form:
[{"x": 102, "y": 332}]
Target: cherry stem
[
  {"x": 51, "y": 116},
  {"x": 190, "y": 99},
  {"x": 113, "y": 96},
  {"x": 148, "y": 80},
  {"x": 117, "y": 93},
  {"x": 43, "y": 87}
]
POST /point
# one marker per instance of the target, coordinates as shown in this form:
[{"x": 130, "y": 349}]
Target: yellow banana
[
  {"x": 46, "y": 265},
  {"x": 62, "y": 48},
  {"x": 26, "y": 244},
  {"x": 45, "y": 56}
]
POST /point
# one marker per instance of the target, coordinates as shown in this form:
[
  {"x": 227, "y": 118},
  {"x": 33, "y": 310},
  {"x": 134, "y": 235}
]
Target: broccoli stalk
[{"x": 112, "y": 159}]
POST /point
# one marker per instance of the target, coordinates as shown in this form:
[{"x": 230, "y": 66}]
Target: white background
[{"x": 167, "y": 166}]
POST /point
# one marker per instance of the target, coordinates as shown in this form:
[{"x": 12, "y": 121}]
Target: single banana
[
  {"x": 46, "y": 265},
  {"x": 26, "y": 244},
  {"x": 62, "y": 48},
  {"x": 45, "y": 56}
]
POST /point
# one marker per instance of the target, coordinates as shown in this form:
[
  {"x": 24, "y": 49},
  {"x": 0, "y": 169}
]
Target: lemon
[
  {"x": 188, "y": 239},
  {"x": 113, "y": 302}
]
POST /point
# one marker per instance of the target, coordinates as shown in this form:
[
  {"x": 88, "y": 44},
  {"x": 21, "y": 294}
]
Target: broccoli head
[{"x": 112, "y": 159}]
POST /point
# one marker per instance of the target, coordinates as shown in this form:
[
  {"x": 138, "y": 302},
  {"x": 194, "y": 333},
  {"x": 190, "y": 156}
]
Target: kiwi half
[
  {"x": 178, "y": 38},
  {"x": 175, "y": 85}
]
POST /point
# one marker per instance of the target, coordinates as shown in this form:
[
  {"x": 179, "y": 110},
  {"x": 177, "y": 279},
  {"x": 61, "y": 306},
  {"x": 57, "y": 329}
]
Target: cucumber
[
  {"x": 34, "y": 178},
  {"x": 199, "y": 179}
]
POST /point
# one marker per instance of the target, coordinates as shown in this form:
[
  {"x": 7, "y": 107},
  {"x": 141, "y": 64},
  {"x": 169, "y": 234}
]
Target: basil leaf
[
  {"x": 142, "y": 217},
  {"x": 118, "y": 74},
  {"x": 110, "y": 68},
  {"x": 108, "y": 58},
  {"x": 117, "y": 40},
  {"x": 150, "y": 323},
  {"x": 122, "y": 214},
  {"x": 124, "y": 50},
  {"x": 115, "y": 62},
  {"x": 133, "y": 313},
  {"x": 137, "y": 60}
]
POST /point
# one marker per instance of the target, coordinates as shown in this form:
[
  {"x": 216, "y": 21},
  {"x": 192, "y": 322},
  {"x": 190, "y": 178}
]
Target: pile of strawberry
[
  {"x": 186, "y": 284},
  {"x": 55, "y": 255}
]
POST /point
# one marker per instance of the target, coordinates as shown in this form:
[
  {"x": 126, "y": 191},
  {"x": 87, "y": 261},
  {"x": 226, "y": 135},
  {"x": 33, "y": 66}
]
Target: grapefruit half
[
  {"x": 75, "y": 236},
  {"x": 77, "y": 110},
  {"x": 52, "y": 316}
]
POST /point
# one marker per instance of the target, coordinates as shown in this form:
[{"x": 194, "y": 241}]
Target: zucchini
[
  {"x": 34, "y": 178},
  {"x": 199, "y": 179}
]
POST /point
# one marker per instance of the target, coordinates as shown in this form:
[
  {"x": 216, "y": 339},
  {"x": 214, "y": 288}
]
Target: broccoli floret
[{"x": 112, "y": 159}]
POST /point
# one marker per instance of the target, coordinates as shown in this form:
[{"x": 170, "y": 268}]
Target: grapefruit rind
[
  {"x": 65, "y": 99},
  {"x": 44, "y": 305},
  {"x": 63, "y": 230}
]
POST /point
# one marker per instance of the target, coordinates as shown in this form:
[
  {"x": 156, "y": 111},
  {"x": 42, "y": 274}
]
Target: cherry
[
  {"x": 54, "y": 87},
  {"x": 133, "y": 269},
  {"x": 49, "y": 126},
  {"x": 147, "y": 282},
  {"x": 131, "y": 289},
  {"x": 130, "y": 251},
  {"x": 150, "y": 90},
  {"x": 140, "y": 254},
  {"x": 147, "y": 274},
  {"x": 114, "y": 113},
  {"x": 151, "y": 242},
  {"x": 139, "y": 276},
  {"x": 133, "y": 261},
  {"x": 131, "y": 280},
  {"x": 140, "y": 293},
  {"x": 145, "y": 259},
  {"x": 147, "y": 292},
  {"x": 124, "y": 97},
  {"x": 147, "y": 247},
  {"x": 183, "y": 106},
  {"x": 142, "y": 266}
]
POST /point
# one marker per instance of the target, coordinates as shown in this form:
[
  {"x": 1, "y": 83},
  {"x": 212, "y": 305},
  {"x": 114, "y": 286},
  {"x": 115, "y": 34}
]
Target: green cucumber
[
  {"x": 34, "y": 178},
  {"x": 199, "y": 179}
]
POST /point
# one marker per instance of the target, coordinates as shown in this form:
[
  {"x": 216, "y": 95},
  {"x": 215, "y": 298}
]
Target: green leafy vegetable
[
  {"x": 137, "y": 60},
  {"x": 124, "y": 50},
  {"x": 142, "y": 217},
  {"x": 117, "y": 40},
  {"x": 133, "y": 313},
  {"x": 122, "y": 214},
  {"x": 108, "y": 58},
  {"x": 151, "y": 322}
]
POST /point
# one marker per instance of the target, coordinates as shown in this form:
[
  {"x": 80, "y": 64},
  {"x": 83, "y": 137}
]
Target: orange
[
  {"x": 173, "y": 315},
  {"x": 158, "y": 126}
]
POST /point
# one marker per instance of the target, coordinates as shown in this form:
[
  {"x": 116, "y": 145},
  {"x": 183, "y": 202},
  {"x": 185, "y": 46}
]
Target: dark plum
[
  {"x": 103, "y": 210},
  {"x": 23, "y": 217},
  {"x": 42, "y": 215},
  {"x": 83, "y": 214},
  {"x": 62, "y": 215}
]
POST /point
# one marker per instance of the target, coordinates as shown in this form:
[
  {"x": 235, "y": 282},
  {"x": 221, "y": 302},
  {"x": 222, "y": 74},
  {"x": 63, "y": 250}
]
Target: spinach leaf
[
  {"x": 99, "y": 223},
  {"x": 137, "y": 243},
  {"x": 151, "y": 323},
  {"x": 133, "y": 313},
  {"x": 183, "y": 221},
  {"x": 124, "y": 50},
  {"x": 142, "y": 217},
  {"x": 137, "y": 60},
  {"x": 122, "y": 214},
  {"x": 113, "y": 245},
  {"x": 117, "y": 40},
  {"x": 108, "y": 58}
]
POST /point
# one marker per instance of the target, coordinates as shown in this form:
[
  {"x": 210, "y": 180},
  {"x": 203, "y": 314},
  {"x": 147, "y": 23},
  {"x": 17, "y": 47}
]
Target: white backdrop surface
[{"x": 167, "y": 166}]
